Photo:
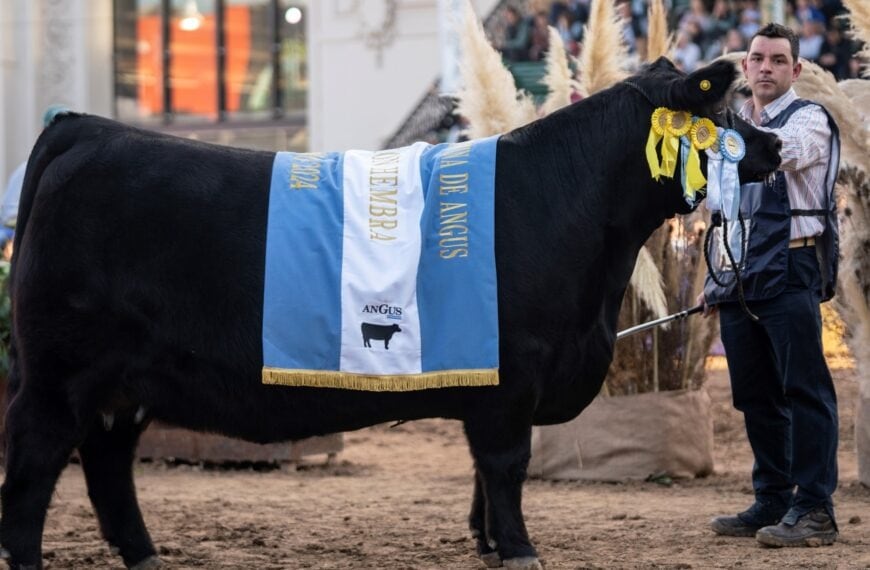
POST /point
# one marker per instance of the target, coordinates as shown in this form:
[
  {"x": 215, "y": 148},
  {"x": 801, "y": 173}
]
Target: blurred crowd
[{"x": 703, "y": 30}]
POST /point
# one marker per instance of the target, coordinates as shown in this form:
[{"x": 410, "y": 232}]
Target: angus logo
[
  {"x": 385, "y": 310},
  {"x": 378, "y": 332}
]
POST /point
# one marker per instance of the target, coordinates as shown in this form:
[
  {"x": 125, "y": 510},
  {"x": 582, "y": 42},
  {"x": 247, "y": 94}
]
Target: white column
[
  {"x": 773, "y": 11},
  {"x": 19, "y": 32},
  {"x": 5, "y": 169},
  {"x": 450, "y": 15}
]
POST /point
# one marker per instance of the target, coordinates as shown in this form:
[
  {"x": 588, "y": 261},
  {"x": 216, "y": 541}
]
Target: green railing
[{"x": 529, "y": 76}]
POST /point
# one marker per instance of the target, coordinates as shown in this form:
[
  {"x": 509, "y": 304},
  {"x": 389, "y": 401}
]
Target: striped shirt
[{"x": 806, "y": 150}]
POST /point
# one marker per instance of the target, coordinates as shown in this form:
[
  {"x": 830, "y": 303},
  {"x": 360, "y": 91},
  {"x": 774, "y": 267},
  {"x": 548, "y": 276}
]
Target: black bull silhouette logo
[{"x": 378, "y": 332}]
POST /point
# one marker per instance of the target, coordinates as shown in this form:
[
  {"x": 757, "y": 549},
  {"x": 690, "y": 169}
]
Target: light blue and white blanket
[{"x": 380, "y": 269}]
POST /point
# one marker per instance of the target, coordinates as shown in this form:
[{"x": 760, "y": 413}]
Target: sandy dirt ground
[{"x": 398, "y": 498}]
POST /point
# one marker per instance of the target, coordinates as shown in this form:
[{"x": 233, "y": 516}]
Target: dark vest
[{"x": 767, "y": 217}]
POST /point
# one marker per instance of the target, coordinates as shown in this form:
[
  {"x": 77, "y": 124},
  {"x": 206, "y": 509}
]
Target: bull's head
[{"x": 702, "y": 94}]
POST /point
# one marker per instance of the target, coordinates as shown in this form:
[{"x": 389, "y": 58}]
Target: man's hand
[{"x": 708, "y": 310}]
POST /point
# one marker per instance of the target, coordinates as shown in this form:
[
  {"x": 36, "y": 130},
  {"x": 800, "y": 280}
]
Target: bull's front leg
[{"x": 501, "y": 456}]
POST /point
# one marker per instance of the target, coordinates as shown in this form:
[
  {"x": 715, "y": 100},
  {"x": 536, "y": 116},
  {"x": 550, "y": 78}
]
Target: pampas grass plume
[
  {"x": 488, "y": 98},
  {"x": 558, "y": 78},
  {"x": 646, "y": 280},
  {"x": 859, "y": 14},
  {"x": 603, "y": 49},
  {"x": 659, "y": 42}
]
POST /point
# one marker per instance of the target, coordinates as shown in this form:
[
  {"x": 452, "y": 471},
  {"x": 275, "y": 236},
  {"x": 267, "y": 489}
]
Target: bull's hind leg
[
  {"x": 501, "y": 456},
  {"x": 107, "y": 455},
  {"x": 477, "y": 524},
  {"x": 40, "y": 436}
]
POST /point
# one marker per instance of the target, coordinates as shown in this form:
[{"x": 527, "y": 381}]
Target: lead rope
[{"x": 717, "y": 221}]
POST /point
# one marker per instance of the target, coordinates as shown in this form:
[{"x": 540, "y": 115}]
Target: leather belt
[{"x": 802, "y": 242}]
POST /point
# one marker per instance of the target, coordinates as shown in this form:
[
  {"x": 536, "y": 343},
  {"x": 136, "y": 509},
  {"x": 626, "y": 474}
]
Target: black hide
[{"x": 137, "y": 283}]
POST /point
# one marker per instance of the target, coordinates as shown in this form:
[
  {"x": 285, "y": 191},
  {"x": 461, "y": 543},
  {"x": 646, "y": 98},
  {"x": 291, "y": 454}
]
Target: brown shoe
[
  {"x": 815, "y": 528},
  {"x": 747, "y": 523},
  {"x": 733, "y": 526}
]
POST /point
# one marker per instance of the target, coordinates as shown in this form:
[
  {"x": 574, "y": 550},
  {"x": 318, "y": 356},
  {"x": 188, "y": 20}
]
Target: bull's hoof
[
  {"x": 523, "y": 563},
  {"x": 491, "y": 559},
  {"x": 149, "y": 563}
]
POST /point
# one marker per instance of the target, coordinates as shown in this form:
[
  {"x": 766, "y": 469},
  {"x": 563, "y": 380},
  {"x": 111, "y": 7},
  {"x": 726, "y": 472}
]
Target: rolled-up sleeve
[{"x": 806, "y": 139}]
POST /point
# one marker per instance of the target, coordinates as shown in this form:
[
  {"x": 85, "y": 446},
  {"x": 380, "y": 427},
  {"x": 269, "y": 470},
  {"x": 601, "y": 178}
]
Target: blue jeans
[{"x": 781, "y": 383}]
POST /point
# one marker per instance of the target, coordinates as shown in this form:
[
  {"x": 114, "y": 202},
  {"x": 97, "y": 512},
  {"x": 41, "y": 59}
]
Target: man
[
  {"x": 9, "y": 208},
  {"x": 785, "y": 253}
]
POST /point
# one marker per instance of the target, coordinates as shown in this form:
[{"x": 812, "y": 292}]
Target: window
[{"x": 207, "y": 62}]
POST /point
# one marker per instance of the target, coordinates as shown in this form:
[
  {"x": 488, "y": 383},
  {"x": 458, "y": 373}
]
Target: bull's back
[
  {"x": 140, "y": 271},
  {"x": 143, "y": 248}
]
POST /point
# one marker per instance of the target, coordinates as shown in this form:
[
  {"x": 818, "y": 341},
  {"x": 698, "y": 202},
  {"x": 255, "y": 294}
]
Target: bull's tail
[
  {"x": 51, "y": 143},
  {"x": 49, "y": 146}
]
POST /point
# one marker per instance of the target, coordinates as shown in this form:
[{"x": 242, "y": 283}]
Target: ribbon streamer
[{"x": 723, "y": 185}]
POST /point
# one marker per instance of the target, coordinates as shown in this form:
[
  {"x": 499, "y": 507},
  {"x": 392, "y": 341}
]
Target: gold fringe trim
[{"x": 389, "y": 383}]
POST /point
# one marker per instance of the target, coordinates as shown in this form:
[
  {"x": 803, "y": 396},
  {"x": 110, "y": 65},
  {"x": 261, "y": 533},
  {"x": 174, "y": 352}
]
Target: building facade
[{"x": 272, "y": 74}]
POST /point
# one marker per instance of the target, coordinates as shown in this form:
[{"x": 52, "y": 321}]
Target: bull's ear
[
  {"x": 663, "y": 63},
  {"x": 706, "y": 86}
]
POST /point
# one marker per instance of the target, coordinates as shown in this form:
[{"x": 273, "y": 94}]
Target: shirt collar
[{"x": 771, "y": 110}]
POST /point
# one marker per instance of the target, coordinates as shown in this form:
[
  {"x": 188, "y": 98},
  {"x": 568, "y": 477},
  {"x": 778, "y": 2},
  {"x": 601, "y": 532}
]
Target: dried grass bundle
[
  {"x": 859, "y": 14},
  {"x": 559, "y": 81},
  {"x": 673, "y": 358},
  {"x": 488, "y": 99},
  {"x": 646, "y": 283},
  {"x": 854, "y": 285},
  {"x": 659, "y": 42},
  {"x": 604, "y": 52}
]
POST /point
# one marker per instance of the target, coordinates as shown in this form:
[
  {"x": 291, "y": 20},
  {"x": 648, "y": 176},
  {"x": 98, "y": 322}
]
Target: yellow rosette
[
  {"x": 677, "y": 124},
  {"x": 656, "y": 132},
  {"x": 702, "y": 135}
]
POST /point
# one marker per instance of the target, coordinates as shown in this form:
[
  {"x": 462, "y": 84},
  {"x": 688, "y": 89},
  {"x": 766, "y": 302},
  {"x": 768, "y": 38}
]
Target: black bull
[{"x": 137, "y": 284}]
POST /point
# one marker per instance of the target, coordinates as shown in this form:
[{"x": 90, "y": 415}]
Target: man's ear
[{"x": 796, "y": 70}]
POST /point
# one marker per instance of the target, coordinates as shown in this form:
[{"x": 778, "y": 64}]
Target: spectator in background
[
  {"x": 699, "y": 22},
  {"x": 540, "y": 37},
  {"x": 791, "y": 19},
  {"x": 639, "y": 10},
  {"x": 749, "y": 19},
  {"x": 806, "y": 10},
  {"x": 676, "y": 11},
  {"x": 9, "y": 208},
  {"x": 566, "y": 31},
  {"x": 687, "y": 54},
  {"x": 811, "y": 39},
  {"x": 515, "y": 46},
  {"x": 831, "y": 9},
  {"x": 835, "y": 53},
  {"x": 722, "y": 20},
  {"x": 734, "y": 42},
  {"x": 695, "y": 33},
  {"x": 577, "y": 11},
  {"x": 631, "y": 34}
]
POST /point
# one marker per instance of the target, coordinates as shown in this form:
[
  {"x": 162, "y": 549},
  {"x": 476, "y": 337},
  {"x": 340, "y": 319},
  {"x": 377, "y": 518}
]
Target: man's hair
[{"x": 774, "y": 30}]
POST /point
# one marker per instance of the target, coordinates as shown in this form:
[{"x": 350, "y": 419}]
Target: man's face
[{"x": 769, "y": 68}]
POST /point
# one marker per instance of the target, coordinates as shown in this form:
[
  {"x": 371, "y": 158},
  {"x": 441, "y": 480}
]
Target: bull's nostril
[{"x": 778, "y": 145}]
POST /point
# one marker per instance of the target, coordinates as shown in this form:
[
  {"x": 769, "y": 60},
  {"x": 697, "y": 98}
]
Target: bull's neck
[{"x": 579, "y": 196}]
